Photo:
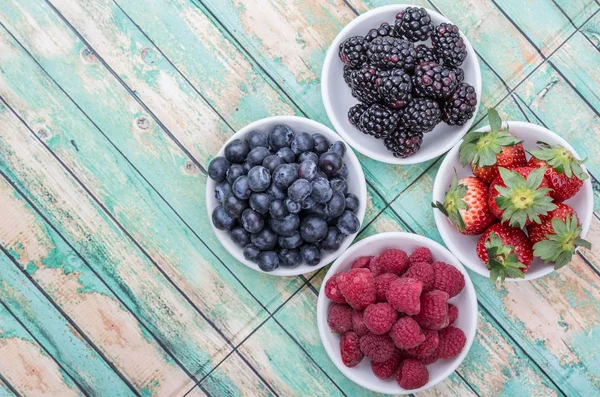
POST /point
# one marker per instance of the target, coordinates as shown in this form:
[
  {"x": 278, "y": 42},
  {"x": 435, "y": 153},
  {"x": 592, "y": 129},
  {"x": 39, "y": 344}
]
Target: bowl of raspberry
[
  {"x": 401, "y": 84},
  {"x": 513, "y": 201},
  {"x": 397, "y": 313}
]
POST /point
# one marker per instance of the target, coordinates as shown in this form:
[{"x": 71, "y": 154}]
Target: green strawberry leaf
[
  {"x": 495, "y": 120},
  {"x": 453, "y": 203},
  {"x": 559, "y": 246},
  {"x": 561, "y": 159}
]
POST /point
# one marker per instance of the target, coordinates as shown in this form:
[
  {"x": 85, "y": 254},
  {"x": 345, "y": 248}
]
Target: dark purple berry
[
  {"x": 289, "y": 258},
  {"x": 268, "y": 261},
  {"x": 271, "y": 162},
  {"x": 290, "y": 242},
  {"x": 460, "y": 107},
  {"x": 336, "y": 206},
  {"x": 308, "y": 156},
  {"x": 286, "y": 154},
  {"x": 448, "y": 44},
  {"x": 256, "y": 139},
  {"x": 310, "y": 254},
  {"x": 221, "y": 219},
  {"x": 285, "y": 226},
  {"x": 252, "y": 221},
  {"x": 307, "y": 170},
  {"x": 339, "y": 185},
  {"x": 236, "y": 151},
  {"x": 222, "y": 190},
  {"x": 240, "y": 236},
  {"x": 280, "y": 136},
  {"x": 285, "y": 175},
  {"x": 259, "y": 178},
  {"x": 330, "y": 163},
  {"x": 352, "y": 202},
  {"x": 355, "y": 112},
  {"x": 260, "y": 202},
  {"x": 302, "y": 142},
  {"x": 234, "y": 172},
  {"x": 300, "y": 189},
  {"x": 320, "y": 143},
  {"x": 432, "y": 80},
  {"x": 251, "y": 252},
  {"x": 339, "y": 148},
  {"x": 352, "y": 51},
  {"x": 321, "y": 190},
  {"x": 264, "y": 240},
  {"x": 234, "y": 206},
  {"x": 313, "y": 229},
  {"x": 277, "y": 209},
  {"x": 293, "y": 207},
  {"x": 257, "y": 156},
  {"x": 414, "y": 24},
  {"x": 217, "y": 169},
  {"x": 241, "y": 188},
  {"x": 332, "y": 241},
  {"x": 390, "y": 52},
  {"x": 348, "y": 223}
]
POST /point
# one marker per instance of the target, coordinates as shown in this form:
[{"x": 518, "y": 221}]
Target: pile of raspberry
[{"x": 393, "y": 309}]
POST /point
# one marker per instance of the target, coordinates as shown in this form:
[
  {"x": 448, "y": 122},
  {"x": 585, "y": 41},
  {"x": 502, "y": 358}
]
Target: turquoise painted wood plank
[
  {"x": 130, "y": 128},
  {"x": 43, "y": 254},
  {"x": 5, "y": 389},
  {"x": 578, "y": 11}
]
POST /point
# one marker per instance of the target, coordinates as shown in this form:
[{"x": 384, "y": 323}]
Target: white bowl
[
  {"x": 356, "y": 185},
  {"x": 466, "y": 302},
  {"x": 464, "y": 246},
  {"x": 338, "y": 99}
]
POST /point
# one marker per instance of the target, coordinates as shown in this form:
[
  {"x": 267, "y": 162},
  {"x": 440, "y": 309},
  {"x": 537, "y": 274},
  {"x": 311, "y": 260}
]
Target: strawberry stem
[
  {"x": 502, "y": 259},
  {"x": 559, "y": 247}
]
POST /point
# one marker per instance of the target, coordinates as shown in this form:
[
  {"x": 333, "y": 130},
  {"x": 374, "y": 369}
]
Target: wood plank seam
[{"x": 10, "y": 387}]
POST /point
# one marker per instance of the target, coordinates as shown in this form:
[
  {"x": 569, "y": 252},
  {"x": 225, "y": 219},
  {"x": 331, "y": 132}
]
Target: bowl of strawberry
[
  {"x": 513, "y": 201},
  {"x": 397, "y": 313}
]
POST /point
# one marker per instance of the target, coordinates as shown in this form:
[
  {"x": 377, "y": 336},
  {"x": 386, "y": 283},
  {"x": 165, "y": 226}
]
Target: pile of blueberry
[{"x": 284, "y": 197}]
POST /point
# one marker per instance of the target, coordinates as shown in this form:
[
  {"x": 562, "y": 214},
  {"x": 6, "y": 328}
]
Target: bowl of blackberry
[
  {"x": 285, "y": 195},
  {"x": 401, "y": 84}
]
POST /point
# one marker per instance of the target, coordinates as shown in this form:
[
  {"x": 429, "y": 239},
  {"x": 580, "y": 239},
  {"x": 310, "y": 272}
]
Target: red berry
[
  {"x": 427, "y": 348},
  {"x": 423, "y": 272},
  {"x": 339, "y": 318},
  {"x": 447, "y": 278},
  {"x": 332, "y": 290},
  {"x": 358, "y": 323},
  {"x": 358, "y": 287},
  {"x": 378, "y": 348},
  {"x": 362, "y": 261},
  {"x": 429, "y": 359},
  {"x": 452, "y": 314},
  {"x": 387, "y": 368},
  {"x": 421, "y": 254},
  {"x": 412, "y": 374},
  {"x": 350, "y": 349},
  {"x": 391, "y": 260},
  {"x": 379, "y": 317},
  {"x": 406, "y": 333},
  {"x": 434, "y": 310},
  {"x": 403, "y": 294},
  {"x": 452, "y": 341},
  {"x": 382, "y": 283}
]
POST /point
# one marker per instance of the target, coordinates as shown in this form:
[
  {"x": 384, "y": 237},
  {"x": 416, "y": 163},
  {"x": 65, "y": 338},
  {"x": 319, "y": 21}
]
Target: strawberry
[
  {"x": 555, "y": 238},
  {"x": 486, "y": 151},
  {"x": 520, "y": 196},
  {"x": 506, "y": 251},
  {"x": 466, "y": 206},
  {"x": 564, "y": 171}
]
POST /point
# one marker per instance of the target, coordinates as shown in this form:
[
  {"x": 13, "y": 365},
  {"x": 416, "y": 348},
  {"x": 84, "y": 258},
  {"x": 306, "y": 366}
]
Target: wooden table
[{"x": 112, "y": 282}]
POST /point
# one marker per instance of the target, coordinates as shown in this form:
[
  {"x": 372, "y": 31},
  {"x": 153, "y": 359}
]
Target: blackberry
[
  {"x": 389, "y": 52},
  {"x": 395, "y": 87},
  {"x": 426, "y": 54},
  {"x": 364, "y": 86},
  {"x": 460, "y": 74},
  {"x": 355, "y": 112},
  {"x": 432, "y": 80},
  {"x": 352, "y": 51},
  {"x": 414, "y": 24},
  {"x": 448, "y": 44},
  {"x": 404, "y": 143},
  {"x": 385, "y": 29},
  {"x": 460, "y": 107},
  {"x": 420, "y": 115},
  {"x": 348, "y": 73},
  {"x": 378, "y": 121}
]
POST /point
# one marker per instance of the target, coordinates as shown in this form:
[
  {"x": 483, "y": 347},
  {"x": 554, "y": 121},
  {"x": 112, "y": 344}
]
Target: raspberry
[
  {"x": 379, "y": 318},
  {"x": 339, "y": 318},
  {"x": 358, "y": 323},
  {"x": 362, "y": 261},
  {"x": 378, "y": 348},
  {"x": 406, "y": 333},
  {"x": 452, "y": 341},
  {"x": 452, "y": 314},
  {"x": 429, "y": 359},
  {"x": 412, "y": 374},
  {"x": 434, "y": 310},
  {"x": 387, "y": 368},
  {"x": 382, "y": 283},
  {"x": 358, "y": 287},
  {"x": 332, "y": 291},
  {"x": 448, "y": 278},
  {"x": 404, "y": 293},
  {"x": 390, "y": 261},
  {"x": 427, "y": 348},
  {"x": 350, "y": 349},
  {"x": 421, "y": 254},
  {"x": 423, "y": 272}
]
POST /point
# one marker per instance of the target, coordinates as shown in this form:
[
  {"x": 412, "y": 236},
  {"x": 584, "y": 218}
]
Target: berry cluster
[
  {"x": 393, "y": 309},
  {"x": 406, "y": 90},
  {"x": 283, "y": 197}
]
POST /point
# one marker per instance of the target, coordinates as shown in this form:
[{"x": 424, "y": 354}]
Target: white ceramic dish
[
  {"x": 464, "y": 246},
  {"x": 466, "y": 302},
  {"x": 356, "y": 185},
  {"x": 338, "y": 99}
]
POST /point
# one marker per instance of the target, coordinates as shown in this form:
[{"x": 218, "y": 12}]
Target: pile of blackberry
[{"x": 404, "y": 86}]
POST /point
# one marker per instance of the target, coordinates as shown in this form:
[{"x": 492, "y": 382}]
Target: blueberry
[
  {"x": 277, "y": 209},
  {"x": 217, "y": 169},
  {"x": 292, "y": 206},
  {"x": 280, "y": 136},
  {"x": 321, "y": 190},
  {"x": 264, "y": 240},
  {"x": 259, "y": 178},
  {"x": 286, "y": 154},
  {"x": 289, "y": 257},
  {"x": 234, "y": 172},
  {"x": 275, "y": 192},
  {"x": 339, "y": 185},
  {"x": 240, "y": 236},
  {"x": 336, "y": 206},
  {"x": 330, "y": 163},
  {"x": 252, "y": 221},
  {"x": 260, "y": 202},
  {"x": 339, "y": 148},
  {"x": 241, "y": 188},
  {"x": 257, "y": 156},
  {"x": 234, "y": 206},
  {"x": 285, "y": 226},
  {"x": 271, "y": 162},
  {"x": 308, "y": 156},
  {"x": 256, "y": 139},
  {"x": 321, "y": 175},
  {"x": 321, "y": 144},
  {"x": 300, "y": 189},
  {"x": 308, "y": 203},
  {"x": 352, "y": 202},
  {"x": 317, "y": 209},
  {"x": 343, "y": 172},
  {"x": 290, "y": 242},
  {"x": 302, "y": 142},
  {"x": 285, "y": 175},
  {"x": 246, "y": 166},
  {"x": 251, "y": 252},
  {"x": 313, "y": 229},
  {"x": 348, "y": 223},
  {"x": 307, "y": 170},
  {"x": 310, "y": 254},
  {"x": 268, "y": 261},
  {"x": 221, "y": 219},
  {"x": 332, "y": 240},
  {"x": 236, "y": 151},
  {"x": 222, "y": 190}
]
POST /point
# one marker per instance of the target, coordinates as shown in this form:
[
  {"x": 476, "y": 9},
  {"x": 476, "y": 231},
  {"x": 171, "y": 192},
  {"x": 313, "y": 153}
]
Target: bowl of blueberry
[
  {"x": 285, "y": 195},
  {"x": 401, "y": 84}
]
